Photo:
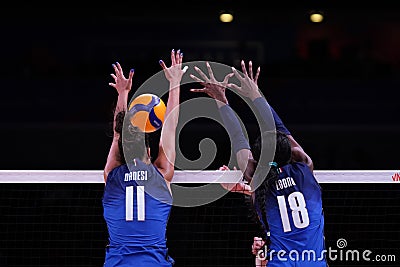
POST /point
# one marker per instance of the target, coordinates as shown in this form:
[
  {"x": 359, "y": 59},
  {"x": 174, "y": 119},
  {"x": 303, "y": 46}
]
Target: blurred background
[{"x": 334, "y": 83}]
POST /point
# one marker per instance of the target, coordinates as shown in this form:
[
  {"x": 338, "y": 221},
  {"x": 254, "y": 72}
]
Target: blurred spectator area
[{"x": 334, "y": 84}]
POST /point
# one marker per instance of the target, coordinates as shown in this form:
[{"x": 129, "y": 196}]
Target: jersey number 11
[{"x": 129, "y": 195}]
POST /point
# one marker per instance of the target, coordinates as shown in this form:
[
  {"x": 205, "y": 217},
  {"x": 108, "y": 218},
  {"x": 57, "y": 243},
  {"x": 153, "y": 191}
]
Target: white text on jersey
[
  {"x": 136, "y": 176},
  {"x": 284, "y": 183}
]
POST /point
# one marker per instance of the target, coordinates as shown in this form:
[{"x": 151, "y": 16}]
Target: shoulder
[
  {"x": 296, "y": 169},
  {"x": 116, "y": 171},
  {"x": 301, "y": 167}
]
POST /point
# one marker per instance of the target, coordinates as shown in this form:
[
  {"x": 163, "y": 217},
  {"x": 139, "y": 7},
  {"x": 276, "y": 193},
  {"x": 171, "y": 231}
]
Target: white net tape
[{"x": 192, "y": 176}]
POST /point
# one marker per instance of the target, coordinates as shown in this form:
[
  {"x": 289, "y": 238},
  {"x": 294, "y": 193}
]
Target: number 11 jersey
[{"x": 136, "y": 207}]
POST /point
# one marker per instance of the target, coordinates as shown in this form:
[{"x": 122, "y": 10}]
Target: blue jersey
[
  {"x": 137, "y": 203},
  {"x": 295, "y": 219}
]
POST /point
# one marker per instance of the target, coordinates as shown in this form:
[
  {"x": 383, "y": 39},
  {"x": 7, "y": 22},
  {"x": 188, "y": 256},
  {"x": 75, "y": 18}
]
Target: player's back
[
  {"x": 137, "y": 204},
  {"x": 295, "y": 218}
]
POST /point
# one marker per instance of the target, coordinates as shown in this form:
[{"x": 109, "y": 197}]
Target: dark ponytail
[
  {"x": 132, "y": 142},
  {"x": 281, "y": 157}
]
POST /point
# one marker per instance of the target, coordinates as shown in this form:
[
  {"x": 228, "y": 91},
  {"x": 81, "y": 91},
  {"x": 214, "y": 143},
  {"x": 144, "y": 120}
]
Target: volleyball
[{"x": 147, "y": 112}]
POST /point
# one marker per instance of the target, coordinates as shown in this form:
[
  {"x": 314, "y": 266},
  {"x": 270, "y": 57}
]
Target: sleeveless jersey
[
  {"x": 136, "y": 208},
  {"x": 295, "y": 219}
]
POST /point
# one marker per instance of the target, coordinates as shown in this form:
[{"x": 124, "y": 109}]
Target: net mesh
[{"x": 61, "y": 224}]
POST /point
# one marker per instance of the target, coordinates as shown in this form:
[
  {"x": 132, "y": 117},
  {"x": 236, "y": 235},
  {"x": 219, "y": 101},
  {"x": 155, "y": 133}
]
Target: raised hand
[
  {"x": 248, "y": 83},
  {"x": 212, "y": 87},
  {"x": 121, "y": 83},
  {"x": 174, "y": 73},
  {"x": 250, "y": 73}
]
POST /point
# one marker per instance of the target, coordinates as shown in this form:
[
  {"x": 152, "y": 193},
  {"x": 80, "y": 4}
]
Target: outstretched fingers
[
  {"x": 115, "y": 76},
  {"x": 237, "y": 74},
  {"x": 205, "y": 78},
  {"x": 244, "y": 70},
  {"x": 179, "y": 56},
  {"x": 250, "y": 73},
  {"x": 119, "y": 68},
  {"x": 210, "y": 72},
  {"x": 257, "y": 75},
  {"x": 227, "y": 77},
  {"x": 131, "y": 73},
  {"x": 198, "y": 90},
  {"x": 162, "y": 64},
  {"x": 173, "y": 57},
  {"x": 251, "y": 70},
  {"x": 197, "y": 79}
]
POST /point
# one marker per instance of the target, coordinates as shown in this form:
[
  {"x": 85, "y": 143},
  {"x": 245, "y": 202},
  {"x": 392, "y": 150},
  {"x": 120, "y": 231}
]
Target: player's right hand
[{"x": 248, "y": 82}]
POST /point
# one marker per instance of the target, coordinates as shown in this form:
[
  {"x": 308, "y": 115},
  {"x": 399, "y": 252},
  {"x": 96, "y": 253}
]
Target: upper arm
[
  {"x": 243, "y": 156},
  {"x": 246, "y": 163},
  {"x": 298, "y": 153},
  {"x": 113, "y": 159},
  {"x": 165, "y": 162}
]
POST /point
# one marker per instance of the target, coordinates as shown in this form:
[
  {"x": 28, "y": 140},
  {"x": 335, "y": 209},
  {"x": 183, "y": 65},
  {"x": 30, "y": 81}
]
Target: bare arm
[
  {"x": 299, "y": 155},
  {"x": 165, "y": 161},
  {"x": 123, "y": 86}
]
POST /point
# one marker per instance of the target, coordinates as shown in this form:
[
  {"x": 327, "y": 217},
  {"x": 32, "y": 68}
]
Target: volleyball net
[
  {"x": 191, "y": 176},
  {"x": 55, "y": 218}
]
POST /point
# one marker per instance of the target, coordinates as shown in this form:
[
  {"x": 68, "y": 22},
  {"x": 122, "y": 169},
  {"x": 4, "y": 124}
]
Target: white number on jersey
[
  {"x": 129, "y": 195},
  {"x": 297, "y": 204}
]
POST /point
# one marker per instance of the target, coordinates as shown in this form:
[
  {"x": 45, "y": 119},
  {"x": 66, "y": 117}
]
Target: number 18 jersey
[{"x": 295, "y": 218}]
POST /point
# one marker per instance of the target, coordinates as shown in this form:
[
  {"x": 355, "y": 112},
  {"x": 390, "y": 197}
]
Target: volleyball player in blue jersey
[
  {"x": 137, "y": 196},
  {"x": 288, "y": 200}
]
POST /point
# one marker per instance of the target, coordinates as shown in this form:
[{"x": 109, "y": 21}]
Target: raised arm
[
  {"x": 123, "y": 86},
  {"x": 216, "y": 90},
  {"x": 165, "y": 161},
  {"x": 249, "y": 88}
]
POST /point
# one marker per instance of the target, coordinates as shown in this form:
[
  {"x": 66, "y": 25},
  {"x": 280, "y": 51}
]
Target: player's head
[
  {"x": 133, "y": 143},
  {"x": 263, "y": 146},
  {"x": 262, "y": 149}
]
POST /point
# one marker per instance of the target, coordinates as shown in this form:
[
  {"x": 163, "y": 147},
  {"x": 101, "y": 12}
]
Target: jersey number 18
[{"x": 297, "y": 204}]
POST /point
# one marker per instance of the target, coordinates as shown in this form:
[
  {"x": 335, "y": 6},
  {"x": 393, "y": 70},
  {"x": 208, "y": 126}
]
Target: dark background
[{"x": 334, "y": 84}]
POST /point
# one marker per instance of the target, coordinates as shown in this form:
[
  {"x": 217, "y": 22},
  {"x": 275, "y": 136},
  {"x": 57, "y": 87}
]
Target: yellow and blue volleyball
[{"x": 147, "y": 112}]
